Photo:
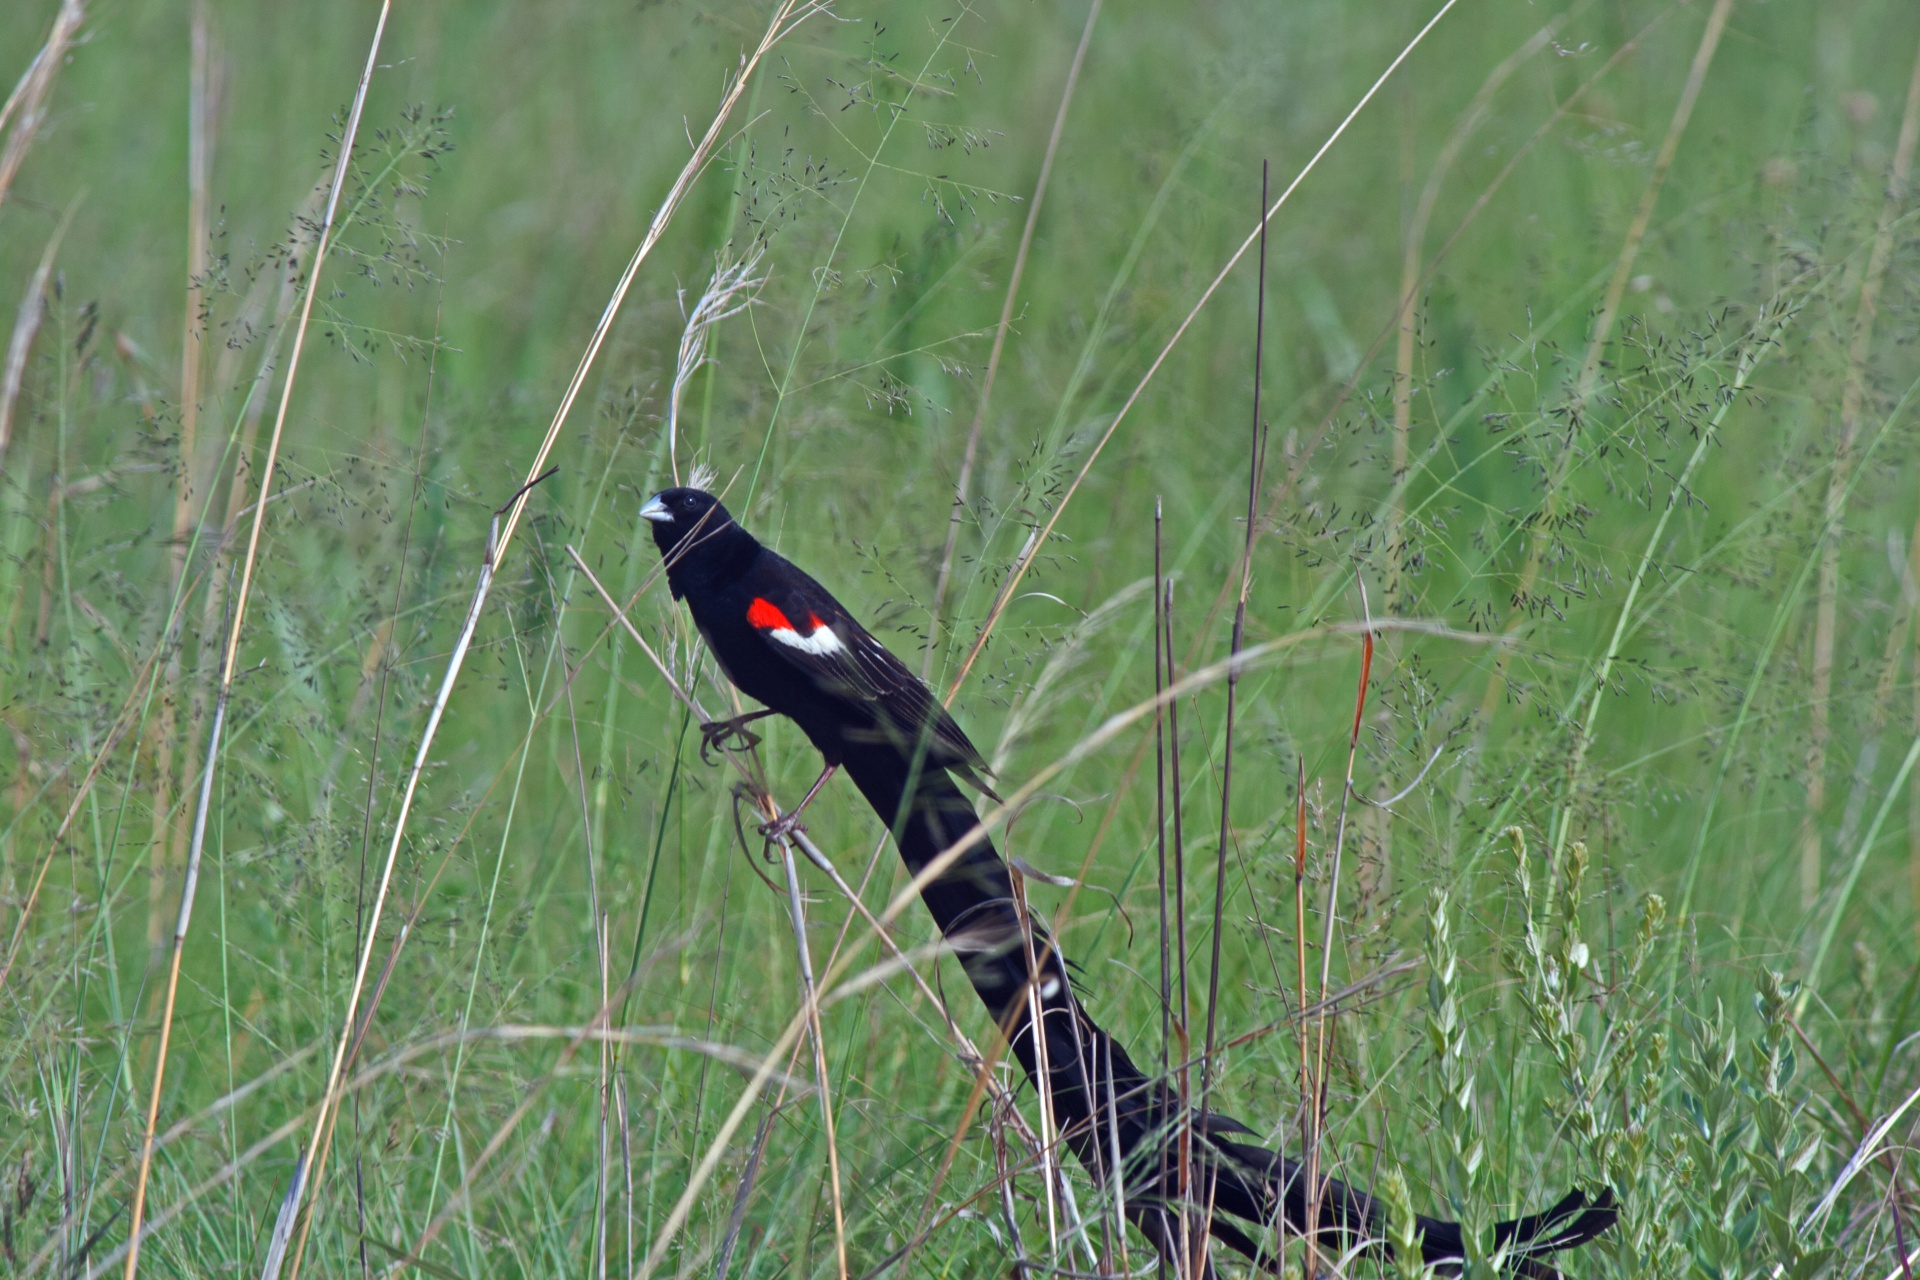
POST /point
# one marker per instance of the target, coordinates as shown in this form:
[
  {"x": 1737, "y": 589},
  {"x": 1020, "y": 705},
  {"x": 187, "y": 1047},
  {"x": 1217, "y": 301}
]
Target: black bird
[{"x": 786, "y": 642}]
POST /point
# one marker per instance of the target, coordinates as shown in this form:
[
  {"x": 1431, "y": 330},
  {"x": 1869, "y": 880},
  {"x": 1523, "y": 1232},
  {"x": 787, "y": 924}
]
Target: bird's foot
[
  {"x": 729, "y": 735},
  {"x": 783, "y": 826}
]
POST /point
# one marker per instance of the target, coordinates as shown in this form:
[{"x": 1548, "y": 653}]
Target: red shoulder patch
[
  {"x": 813, "y": 620},
  {"x": 766, "y": 616}
]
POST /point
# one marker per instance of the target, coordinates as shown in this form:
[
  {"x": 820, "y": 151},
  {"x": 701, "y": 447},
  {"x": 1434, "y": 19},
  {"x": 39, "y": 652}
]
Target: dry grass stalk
[
  {"x": 28, "y": 101},
  {"x": 1037, "y": 543},
  {"x": 191, "y": 882},
  {"x": 810, "y": 996},
  {"x": 1181, "y": 1022},
  {"x": 199, "y": 161},
  {"x": 1309, "y": 1127},
  {"x": 26, "y": 324},
  {"x": 1160, "y": 669},
  {"x": 321, "y": 1139},
  {"x": 1852, "y": 397},
  {"x": 788, "y": 16}
]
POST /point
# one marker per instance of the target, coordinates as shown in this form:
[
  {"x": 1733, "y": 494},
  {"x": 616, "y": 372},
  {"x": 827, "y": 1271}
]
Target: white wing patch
[{"x": 821, "y": 643}]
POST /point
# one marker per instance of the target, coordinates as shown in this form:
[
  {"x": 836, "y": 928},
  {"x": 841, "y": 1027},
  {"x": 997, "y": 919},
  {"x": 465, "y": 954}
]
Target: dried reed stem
[
  {"x": 29, "y": 98},
  {"x": 788, "y": 15},
  {"x": 810, "y": 997},
  {"x": 1160, "y": 666},
  {"x": 233, "y": 646},
  {"x": 26, "y": 323},
  {"x": 1182, "y": 1080},
  {"x": 1307, "y": 1093},
  {"x": 199, "y": 139}
]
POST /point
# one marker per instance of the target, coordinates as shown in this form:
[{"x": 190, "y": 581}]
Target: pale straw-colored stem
[
  {"x": 28, "y": 101},
  {"x": 211, "y": 762},
  {"x": 787, "y": 16}
]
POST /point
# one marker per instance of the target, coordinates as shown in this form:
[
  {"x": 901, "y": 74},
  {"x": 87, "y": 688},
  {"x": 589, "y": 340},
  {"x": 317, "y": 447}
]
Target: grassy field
[{"x": 1627, "y": 877}]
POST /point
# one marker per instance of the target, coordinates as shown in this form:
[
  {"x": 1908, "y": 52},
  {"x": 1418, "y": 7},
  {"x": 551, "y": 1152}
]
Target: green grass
[{"x": 1620, "y": 692}]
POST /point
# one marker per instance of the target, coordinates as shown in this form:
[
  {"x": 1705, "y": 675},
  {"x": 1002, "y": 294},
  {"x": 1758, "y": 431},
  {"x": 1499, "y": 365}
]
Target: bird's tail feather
[{"x": 1082, "y": 1067}]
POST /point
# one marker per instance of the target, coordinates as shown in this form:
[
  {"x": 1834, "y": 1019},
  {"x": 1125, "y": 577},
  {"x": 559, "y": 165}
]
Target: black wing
[{"x": 814, "y": 633}]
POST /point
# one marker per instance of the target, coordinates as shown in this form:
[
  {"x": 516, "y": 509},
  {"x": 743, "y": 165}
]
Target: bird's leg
[
  {"x": 715, "y": 733},
  {"x": 788, "y": 823}
]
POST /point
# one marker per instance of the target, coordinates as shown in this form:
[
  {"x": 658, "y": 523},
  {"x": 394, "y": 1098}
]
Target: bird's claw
[
  {"x": 716, "y": 735},
  {"x": 782, "y": 827}
]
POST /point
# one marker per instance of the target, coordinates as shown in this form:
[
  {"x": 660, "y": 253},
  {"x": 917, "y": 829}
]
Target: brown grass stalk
[
  {"x": 26, "y": 324},
  {"x": 27, "y": 105},
  {"x": 788, "y": 15},
  {"x": 1160, "y": 799},
  {"x": 211, "y": 762},
  {"x": 1181, "y": 1027},
  {"x": 199, "y": 160},
  {"x": 1852, "y": 396}
]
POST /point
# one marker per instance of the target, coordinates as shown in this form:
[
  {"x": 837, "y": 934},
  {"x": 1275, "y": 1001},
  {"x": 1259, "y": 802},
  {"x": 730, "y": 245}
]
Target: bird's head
[{"x": 692, "y": 530}]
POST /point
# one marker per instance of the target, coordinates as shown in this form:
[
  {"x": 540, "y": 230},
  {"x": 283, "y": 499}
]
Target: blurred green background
[{"x": 1646, "y": 459}]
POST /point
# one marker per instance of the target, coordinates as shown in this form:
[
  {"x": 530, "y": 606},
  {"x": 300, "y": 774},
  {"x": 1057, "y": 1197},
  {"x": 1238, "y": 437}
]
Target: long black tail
[{"x": 1102, "y": 1103}]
